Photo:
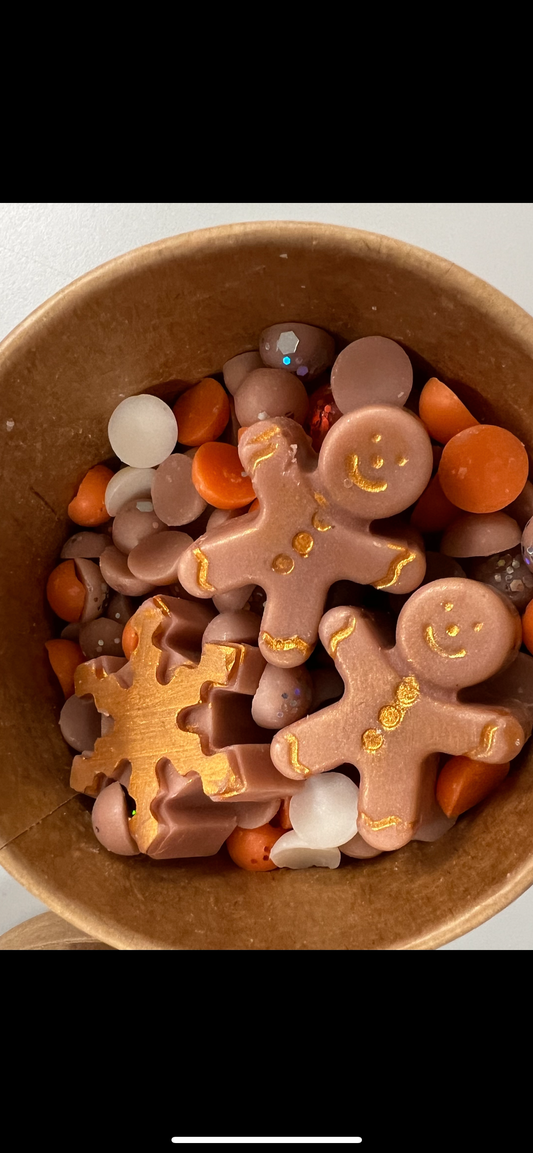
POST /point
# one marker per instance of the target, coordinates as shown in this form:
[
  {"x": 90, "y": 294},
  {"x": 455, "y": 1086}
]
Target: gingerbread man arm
[
  {"x": 395, "y": 564},
  {"x": 225, "y": 559},
  {"x": 312, "y": 745},
  {"x": 484, "y": 734}
]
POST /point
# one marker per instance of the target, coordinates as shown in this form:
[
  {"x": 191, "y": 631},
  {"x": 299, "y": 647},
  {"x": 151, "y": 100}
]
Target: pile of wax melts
[{"x": 291, "y": 616}]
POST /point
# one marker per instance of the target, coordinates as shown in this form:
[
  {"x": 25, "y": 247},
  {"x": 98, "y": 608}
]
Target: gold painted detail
[
  {"x": 390, "y": 716},
  {"x": 478, "y": 626},
  {"x": 146, "y": 724},
  {"x": 161, "y": 605},
  {"x": 353, "y": 473},
  {"x": 372, "y": 740},
  {"x": 393, "y": 572},
  {"x": 377, "y": 462},
  {"x": 385, "y": 822},
  {"x": 283, "y": 564},
  {"x": 266, "y": 435},
  {"x": 486, "y": 742},
  {"x": 401, "y": 460},
  {"x": 452, "y": 630},
  {"x": 201, "y": 575},
  {"x": 302, "y": 543},
  {"x": 317, "y": 520},
  {"x": 341, "y": 635},
  {"x": 319, "y": 523},
  {"x": 286, "y": 644},
  {"x": 376, "y": 438},
  {"x": 429, "y": 637},
  {"x": 261, "y": 456},
  {"x": 295, "y": 763},
  {"x": 448, "y": 607}
]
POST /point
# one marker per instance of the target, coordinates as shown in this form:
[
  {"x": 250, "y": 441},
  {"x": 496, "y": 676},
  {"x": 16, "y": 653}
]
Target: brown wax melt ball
[
  {"x": 101, "y": 638},
  {"x": 120, "y": 608},
  {"x": 135, "y": 521},
  {"x": 114, "y": 568},
  {"x": 508, "y": 574},
  {"x": 80, "y": 723},
  {"x": 236, "y": 369},
  {"x": 298, "y": 348},
  {"x": 111, "y": 823},
  {"x": 176, "y": 500},
  {"x": 234, "y": 600},
  {"x": 156, "y": 558},
  {"x": 240, "y": 626},
  {"x": 96, "y": 589},
  {"x": 527, "y": 542},
  {"x": 521, "y": 509},
  {"x": 372, "y": 370},
  {"x": 85, "y": 544},
  {"x": 480, "y": 534},
  {"x": 283, "y": 696},
  {"x": 270, "y": 392}
]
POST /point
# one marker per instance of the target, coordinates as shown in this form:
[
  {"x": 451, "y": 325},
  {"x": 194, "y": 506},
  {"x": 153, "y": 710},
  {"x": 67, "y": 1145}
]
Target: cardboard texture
[
  {"x": 175, "y": 311},
  {"x": 48, "y": 932}
]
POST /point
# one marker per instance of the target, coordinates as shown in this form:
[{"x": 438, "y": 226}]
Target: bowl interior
[{"x": 176, "y": 310}]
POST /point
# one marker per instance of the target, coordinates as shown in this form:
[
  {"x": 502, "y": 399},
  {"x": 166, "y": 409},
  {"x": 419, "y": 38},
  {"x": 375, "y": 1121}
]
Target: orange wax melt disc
[
  {"x": 250, "y": 848},
  {"x": 483, "y": 468},
  {"x": 88, "y": 507},
  {"x": 65, "y": 656},
  {"x": 65, "y": 593},
  {"x": 527, "y": 627},
  {"x": 463, "y": 783},
  {"x": 443, "y": 414},
  {"x": 202, "y": 412},
  {"x": 130, "y": 639},
  {"x": 217, "y": 474}
]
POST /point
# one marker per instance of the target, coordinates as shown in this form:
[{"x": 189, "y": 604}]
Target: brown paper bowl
[{"x": 178, "y": 309}]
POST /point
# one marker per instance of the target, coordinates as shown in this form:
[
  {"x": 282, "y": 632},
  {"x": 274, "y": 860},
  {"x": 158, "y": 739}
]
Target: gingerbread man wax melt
[
  {"x": 400, "y": 704},
  {"x": 313, "y": 526}
]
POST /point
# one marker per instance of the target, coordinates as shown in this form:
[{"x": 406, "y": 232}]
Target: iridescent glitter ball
[{"x": 508, "y": 573}]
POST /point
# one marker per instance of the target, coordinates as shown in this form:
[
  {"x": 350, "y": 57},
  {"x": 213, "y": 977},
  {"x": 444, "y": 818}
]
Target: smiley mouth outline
[
  {"x": 429, "y": 637},
  {"x": 357, "y": 477}
]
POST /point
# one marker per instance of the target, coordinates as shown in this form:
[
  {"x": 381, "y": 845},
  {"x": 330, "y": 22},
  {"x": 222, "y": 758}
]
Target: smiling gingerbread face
[
  {"x": 457, "y": 632},
  {"x": 376, "y": 461}
]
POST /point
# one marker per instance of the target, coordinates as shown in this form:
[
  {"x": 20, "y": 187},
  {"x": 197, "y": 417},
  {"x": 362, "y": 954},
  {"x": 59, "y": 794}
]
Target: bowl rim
[{"x": 467, "y": 286}]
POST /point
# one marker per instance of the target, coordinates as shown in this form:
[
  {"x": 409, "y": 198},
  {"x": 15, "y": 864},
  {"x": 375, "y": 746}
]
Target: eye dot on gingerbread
[
  {"x": 452, "y": 630},
  {"x": 377, "y": 462},
  {"x": 401, "y": 460},
  {"x": 477, "y": 627},
  {"x": 376, "y": 438},
  {"x": 448, "y": 607}
]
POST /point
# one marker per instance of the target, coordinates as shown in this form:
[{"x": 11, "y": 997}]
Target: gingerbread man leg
[
  {"x": 389, "y": 805},
  {"x": 289, "y": 627}
]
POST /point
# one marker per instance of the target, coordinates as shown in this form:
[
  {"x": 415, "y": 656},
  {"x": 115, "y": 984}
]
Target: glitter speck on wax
[{"x": 286, "y": 360}]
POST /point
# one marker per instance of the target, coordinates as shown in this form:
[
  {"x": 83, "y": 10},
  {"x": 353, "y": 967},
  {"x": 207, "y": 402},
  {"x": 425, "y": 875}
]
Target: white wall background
[{"x": 45, "y": 246}]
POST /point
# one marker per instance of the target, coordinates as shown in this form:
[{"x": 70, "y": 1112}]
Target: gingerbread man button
[
  {"x": 313, "y": 525},
  {"x": 400, "y": 704}
]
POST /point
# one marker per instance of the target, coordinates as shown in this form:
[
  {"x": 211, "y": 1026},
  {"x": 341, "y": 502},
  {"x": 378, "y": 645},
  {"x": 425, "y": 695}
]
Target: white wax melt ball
[
  {"x": 143, "y": 431},
  {"x": 292, "y": 853},
  {"x": 324, "y": 812},
  {"x": 128, "y": 484}
]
